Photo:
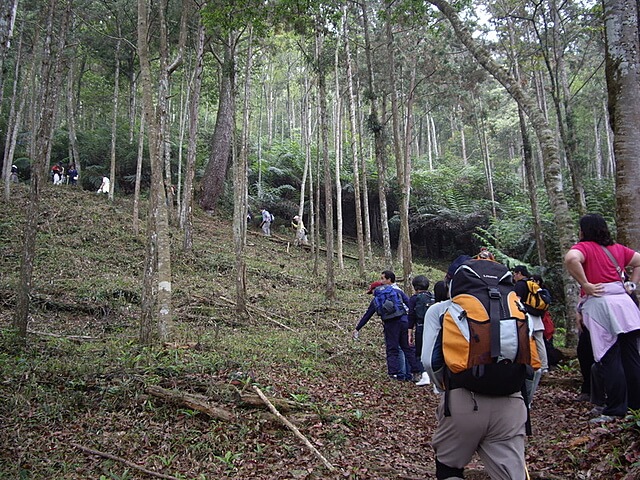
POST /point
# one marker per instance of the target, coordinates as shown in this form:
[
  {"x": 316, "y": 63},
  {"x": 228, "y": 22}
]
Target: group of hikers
[
  {"x": 267, "y": 218},
  {"x": 59, "y": 176},
  {"x": 484, "y": 338}
]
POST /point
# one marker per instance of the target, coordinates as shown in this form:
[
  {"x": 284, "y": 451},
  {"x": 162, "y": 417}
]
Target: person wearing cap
[
  {"x": 301, "y": 231},
  {"x": 396, "y": 332},
  {"x": 520, "y": 277}
]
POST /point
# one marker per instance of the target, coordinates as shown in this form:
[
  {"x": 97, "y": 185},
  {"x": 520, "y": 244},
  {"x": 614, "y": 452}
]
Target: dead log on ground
[{"x": 195, "y": 402}]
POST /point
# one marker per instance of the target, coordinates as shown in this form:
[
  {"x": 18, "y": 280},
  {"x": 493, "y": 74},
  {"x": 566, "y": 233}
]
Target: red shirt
[{"x": 597, "y": 265}]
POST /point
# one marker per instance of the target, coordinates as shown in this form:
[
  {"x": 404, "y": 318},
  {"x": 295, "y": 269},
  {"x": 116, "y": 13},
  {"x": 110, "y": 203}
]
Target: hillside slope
[{"x": 83, "y": 400}]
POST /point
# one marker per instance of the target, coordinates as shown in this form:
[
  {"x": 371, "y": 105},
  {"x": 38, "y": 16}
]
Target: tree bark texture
[
  {"x": 216, "y": 170},
  {"x": 623, "y": 85}
]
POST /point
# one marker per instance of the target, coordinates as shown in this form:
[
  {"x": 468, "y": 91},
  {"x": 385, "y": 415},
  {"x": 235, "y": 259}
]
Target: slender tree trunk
[
  {"x": 328, "y": 184},
  {"x": 377, "y": 128},
  {"x": 8, "y": 9},
  {"x": 71, "y": 119},
  {"x": 186, "y": 215},
  {"x": 355, "y": 144},
  {"x": 240, "y": 171},
  {"x": 50, "y": 78},
  {"x": 403, "y": 162},
  {"x": 623, "y": 83},
  {"x": 338, "y": 153},
  {"x": 114, "y": 120},
  {"x": 13, "y": 124},
  {"x": 553, "y": 173},
  {"x": 136, "y": 191}
]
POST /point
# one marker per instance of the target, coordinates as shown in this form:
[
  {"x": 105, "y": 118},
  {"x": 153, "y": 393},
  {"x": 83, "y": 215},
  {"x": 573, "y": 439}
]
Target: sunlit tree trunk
[
  {"x": 114, "y": 120},
  {"x": 337, "y": 109},
  {"x": 328, "y": 183},
  {"x": 240, "y": 172},
  {"x": 402, "y": 156},
  {"x": 376, "y": 127},
  {"x": 136, "y": 191},
  {"x": 355, "y": 146},
  {"x": 186, "y": 214},
  {"x": 623, "y": 84},
  {"x": 13, "y": 123}
]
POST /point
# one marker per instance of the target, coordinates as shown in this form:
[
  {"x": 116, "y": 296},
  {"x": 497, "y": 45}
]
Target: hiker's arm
[
  {"x": 635, "y": 266},
  {"x": 367, "y": 316},
  {"x": 573, "y": 263}
]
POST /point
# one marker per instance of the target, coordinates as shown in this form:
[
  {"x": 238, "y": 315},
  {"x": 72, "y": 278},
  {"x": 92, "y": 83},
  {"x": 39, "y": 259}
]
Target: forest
[{"x": 402, "y": 132}]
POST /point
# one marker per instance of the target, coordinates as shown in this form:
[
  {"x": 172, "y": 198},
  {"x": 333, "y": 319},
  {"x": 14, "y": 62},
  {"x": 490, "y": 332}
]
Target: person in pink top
[{"x": 608, "y": 312}]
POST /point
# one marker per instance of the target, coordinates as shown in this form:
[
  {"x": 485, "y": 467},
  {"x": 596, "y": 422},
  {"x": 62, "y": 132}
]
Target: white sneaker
[{"x": 424, "y": 380}]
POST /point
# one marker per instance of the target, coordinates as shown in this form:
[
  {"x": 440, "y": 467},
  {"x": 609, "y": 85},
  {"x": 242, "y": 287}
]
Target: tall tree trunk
[
  {"x": 156, "y": 298},
  {"x": 377, "y": 128},
  {"x": 328, "y": 183},
  {"x": 337, "y": 108},
  {"x": 114, "y": 120},
  {"x": 553, "y": 173},
  {"x": 216, "y": 170},
  {"x": 71, "y": 119},
  {"x": 136, "y": 190},
  {"x": 240, "y": 172},
  {"x": 403, "y": 163},
  {"x": 8, "y": 9},
  {"x": 40, "y": 150},
  {"x": 13, "y": 123},
  {"x": 186, "y": 214},
  {"x": 623, "y": 83},
  {"x": 355, "y": 146}
]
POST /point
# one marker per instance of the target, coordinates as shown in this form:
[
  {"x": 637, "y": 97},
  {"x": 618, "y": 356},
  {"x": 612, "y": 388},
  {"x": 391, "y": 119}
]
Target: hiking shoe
[
  {"x": 424, "y": 380},
  {"x": 597, "y": 410},
  {"x": 401, "y": 377},
  {"x": 603, "y": 419}
]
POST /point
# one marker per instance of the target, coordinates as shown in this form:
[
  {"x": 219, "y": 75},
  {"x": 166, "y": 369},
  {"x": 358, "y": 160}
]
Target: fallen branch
[
  {"x": 195, "y": 402},
  {"x": 294, "y": 429},
  {"x": 78, "y": 338},
  {"x": 135, "y": 466},
  {"x": 261, "y": 311}
]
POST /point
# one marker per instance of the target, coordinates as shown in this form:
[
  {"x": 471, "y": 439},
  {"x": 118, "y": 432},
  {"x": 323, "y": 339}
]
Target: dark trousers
[
  {"x": 585, "y": 359},
  {"x": 418, "y": 342},
  {"x": 621, "y": 372},
  {"x": 396, "y": 337}
]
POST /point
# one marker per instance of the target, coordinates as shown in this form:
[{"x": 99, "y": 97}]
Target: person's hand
[
  {"x": 412, "y": 340},
  {"x": 355, "y": 335},
  {"x": 594, "y": 289}
]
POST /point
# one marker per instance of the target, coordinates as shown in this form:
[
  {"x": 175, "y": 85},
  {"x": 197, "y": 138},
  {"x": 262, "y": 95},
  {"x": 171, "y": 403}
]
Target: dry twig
[
  {"x": 294, "y": 429},
  {"x": 135, "y": 466}
]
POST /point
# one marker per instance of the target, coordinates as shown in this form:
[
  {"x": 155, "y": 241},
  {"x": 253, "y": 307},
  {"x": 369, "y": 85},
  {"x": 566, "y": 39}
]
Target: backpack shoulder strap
[{"x": 615, "y": 262}]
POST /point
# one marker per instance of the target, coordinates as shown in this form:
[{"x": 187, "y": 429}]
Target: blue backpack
[{"x": 389, "y": 304}]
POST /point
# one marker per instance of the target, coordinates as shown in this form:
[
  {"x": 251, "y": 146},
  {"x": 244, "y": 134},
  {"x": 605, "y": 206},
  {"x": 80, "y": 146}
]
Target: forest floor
[{"x": 83, "y": 400}]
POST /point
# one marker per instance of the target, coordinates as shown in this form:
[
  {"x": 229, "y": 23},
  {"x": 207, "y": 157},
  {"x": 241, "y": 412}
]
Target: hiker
[
  {"x": 522, "y": 287},
  {"x": 482, "y": 408},
  {"x": 13, "y": 178},
  {"x": 104, "y": 186},
  {"x": 265, "y": 224},
  {"x": 419, "y": 302},
  {"x": 57, "y": 172},
  {"x": 72, "y": 174},
  {"x": 606, "y": 309},
  {"x": 390, "y": 302},
  {"x": 301, "y": 231}
]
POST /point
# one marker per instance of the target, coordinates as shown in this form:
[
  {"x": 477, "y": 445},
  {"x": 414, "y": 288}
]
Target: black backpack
[{"x": 423, "y": 301}]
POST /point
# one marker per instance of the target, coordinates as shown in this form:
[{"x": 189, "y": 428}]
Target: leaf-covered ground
[{"x": 75, "y": 402}]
